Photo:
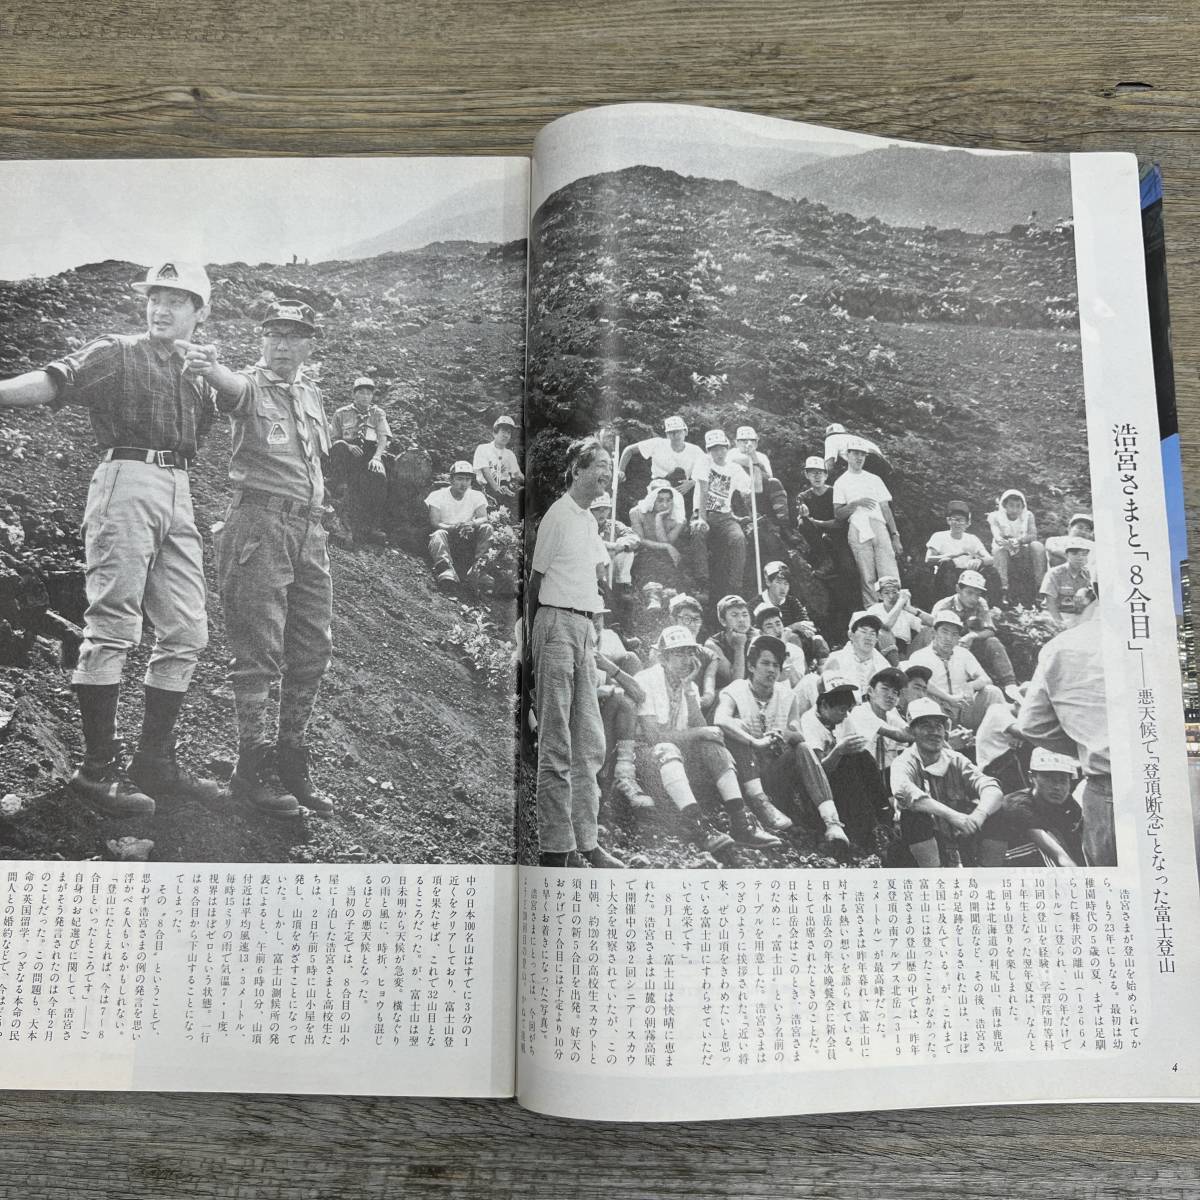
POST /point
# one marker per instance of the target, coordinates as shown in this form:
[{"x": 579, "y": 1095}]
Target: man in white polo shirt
[
  {"x": 672, "y": 458},
  {"x": 562, "y": 597}
]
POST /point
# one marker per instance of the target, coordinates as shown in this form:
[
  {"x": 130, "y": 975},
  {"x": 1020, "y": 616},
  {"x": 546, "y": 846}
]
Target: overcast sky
[{"x": 58, "y": 215}]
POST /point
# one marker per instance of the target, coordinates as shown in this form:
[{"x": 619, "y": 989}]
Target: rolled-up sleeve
[{"x": 80, "y": 377}]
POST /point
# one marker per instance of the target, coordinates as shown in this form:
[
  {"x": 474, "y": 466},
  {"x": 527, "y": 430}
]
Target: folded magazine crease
[{"x": 679, "y": 627}]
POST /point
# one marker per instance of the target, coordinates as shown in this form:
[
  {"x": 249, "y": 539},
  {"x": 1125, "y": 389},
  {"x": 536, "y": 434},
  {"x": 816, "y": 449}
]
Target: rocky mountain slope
[
  {"x": 413, "y": 737},
  {"x": 956, "y": 352}
]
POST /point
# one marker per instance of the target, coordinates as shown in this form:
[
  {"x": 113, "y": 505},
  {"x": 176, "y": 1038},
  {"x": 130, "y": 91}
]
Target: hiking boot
[
  {"x": 102, "y": 783},
  {"x": 599, "y": 857},
  {"x": 291, "y": 765},
  {"x": 628, "y": 790},
  {"x": 160, "y": 775},
  {"x": 715, "y": 841},
  {"x": 769, "y": 816},
  {"x": 699, "y": 832},
  {"x": 447, "y": 580},
  {"x": 747, "y": 833},
  {"x": 836, "y": 844},
  {"x": 256, "y": 783},
  {"x": 554, "y": 859},
  {"x": 576, "y": 861}
]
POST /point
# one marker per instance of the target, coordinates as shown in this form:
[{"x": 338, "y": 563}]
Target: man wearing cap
[
  {"x": 814, "y": 513},
  {"x": 561, "y": 598},
  {"x": 1045, "y": 813},
  {"x": 903, "y": 623},
  {"x": 672, "y": 457},
  {"x": 947, "y": 805},
  {"x": 359, "y": 433},
  {"x": 715, "y": 521},
  {"x": 1079, "y": 526},
  {"x": 1015, "y": 541},
  {"x": 497, "y": 471},
  {"x": 979, "y": 629},
  {"x": 143, "y": 552},
  {"x": 777, "y": 576},
  {"x": 1063, "y": 584},
  {"x": 682, "y": 748},
  {"x": 957, "y": 681},
  {"x": 949, "y": 551},
  {"x": 862, "y": 499},
  {"x": 858, "y": 660},
  {"x": 757, "y": 717},
  {"x": 1064, "y": 710},
  {"x": 273, "y": 558},
  {"x": 859, "y": 800},
  {"x": 459, "y": 520},
  {"x": 771, "y": 497}
]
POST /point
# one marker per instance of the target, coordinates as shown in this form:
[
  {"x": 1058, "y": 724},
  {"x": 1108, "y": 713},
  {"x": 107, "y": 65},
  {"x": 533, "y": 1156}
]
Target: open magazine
[{"x": 677, "y": 627}]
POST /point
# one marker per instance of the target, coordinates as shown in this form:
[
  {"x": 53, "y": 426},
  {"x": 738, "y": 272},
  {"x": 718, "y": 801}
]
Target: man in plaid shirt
[{"x": 149, "y": 415}]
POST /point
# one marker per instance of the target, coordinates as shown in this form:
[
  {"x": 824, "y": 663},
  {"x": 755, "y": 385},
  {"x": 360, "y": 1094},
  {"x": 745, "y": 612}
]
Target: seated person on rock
[
  {"x": 461, "y": 532},
  {"x": 774, "y": 766},
  {"x": 859, "y": 796},
  {"x": 957, "y": 682},
  {"x": 358, "y": 463},
  {"x": 622, "y": 544},
  {"x": 1015, "y": 545},
  {"x": 950, "y": 551},
  {"x": 659, "y": 523},
  {"x": 497, "y": 472},
  {"x": 1046, "y": 814},
  {"x": 969, "y": 601},
  {"x": 1066, "y": 587},
  {"x": 672, "y": 457},
  {"x": 679, "y": 750},
  {"x": 730, "y": 641},
  {"x": 721, "y": 486},
  {"x": 858, "y": 660},
  {"x": 778, "y": 591},
  {"x": 905, "y": 627},
  {"x": 948, "y": 807},
  {"x": 877, "y": 719},
  {"x": 687, "y": 611}
]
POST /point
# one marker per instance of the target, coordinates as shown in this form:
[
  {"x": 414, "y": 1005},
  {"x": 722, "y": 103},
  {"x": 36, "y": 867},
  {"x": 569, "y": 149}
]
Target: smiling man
[
  {"x": 143, "y": 552},
  {"x": 272, "y": 558}
]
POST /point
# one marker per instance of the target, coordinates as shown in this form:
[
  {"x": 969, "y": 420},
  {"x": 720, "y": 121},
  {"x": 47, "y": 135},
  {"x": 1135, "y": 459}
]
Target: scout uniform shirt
[
  {"x": 1062, "y": 582},
  {"x": 279, "y": 436},
  {"x": 349, "y": 425}
]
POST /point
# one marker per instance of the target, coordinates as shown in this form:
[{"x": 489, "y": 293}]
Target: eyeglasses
[{"x": 292, "y": 339}]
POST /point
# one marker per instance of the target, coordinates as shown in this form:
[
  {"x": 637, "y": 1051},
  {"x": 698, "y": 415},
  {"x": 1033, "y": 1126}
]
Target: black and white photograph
[
  {"x": 822, "y": 397},
  {"x": 260, "y": 484}
]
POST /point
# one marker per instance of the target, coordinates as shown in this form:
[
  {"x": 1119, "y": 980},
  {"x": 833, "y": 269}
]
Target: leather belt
[
  {"x": 274, "y": 503},
  {"x": 563, "y": 608},
  {"x": 157, "y": 458}
]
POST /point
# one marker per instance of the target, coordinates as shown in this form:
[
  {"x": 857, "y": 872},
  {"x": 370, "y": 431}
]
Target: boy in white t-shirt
[
  {"x": 952, "y": 550},
  {"x": 458, "y": 515},
  {"x": 862, "y": 499}
]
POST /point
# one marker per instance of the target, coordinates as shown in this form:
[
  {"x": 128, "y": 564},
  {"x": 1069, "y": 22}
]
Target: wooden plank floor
[{"x": 108, "y": 78}]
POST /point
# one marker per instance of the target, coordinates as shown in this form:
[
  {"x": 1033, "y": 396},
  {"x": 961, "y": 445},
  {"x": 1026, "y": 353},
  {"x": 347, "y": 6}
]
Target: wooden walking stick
[{"x": 612, "y": 512}]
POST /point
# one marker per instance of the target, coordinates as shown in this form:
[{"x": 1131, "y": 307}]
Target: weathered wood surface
[{"x": 110, "y": 79}]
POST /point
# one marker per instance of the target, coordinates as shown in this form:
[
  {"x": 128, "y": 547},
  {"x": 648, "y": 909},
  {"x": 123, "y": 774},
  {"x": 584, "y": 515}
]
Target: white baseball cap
[
  {"x": 947, "y": 616},
  {"x": 715, "y": 437},
  {"x": 857, "y": 443},
  {"x": 363, "y": 381},
  {"x": 834, "y": 428},
  {"x": 745, "y": 433},
  {"x": 1078, "y": 543},
  {"x": 462, "y": 467},
  {"x": 884, "y": 580},
  {"x": 504, "y": 420},
  {"x": 814, "y": 462},
  {"x": 604, "y": 501},
  {"x": 776, "y": 568},
  {"x": 972, "y": 579},
  {"x": 671, "y": 424},
  {"x": 924, "y": 707},
  {"x": 683, "y": 600},
  {"x": 676, "y": 637},
  {"x": 1046, "y": 760},
  {"x": 183, "y": 276}
]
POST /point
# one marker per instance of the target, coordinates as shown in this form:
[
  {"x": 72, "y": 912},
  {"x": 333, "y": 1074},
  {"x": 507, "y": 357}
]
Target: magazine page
[
  {"x": 864, "y": 786},
  {"x": 258, "y": 568}
]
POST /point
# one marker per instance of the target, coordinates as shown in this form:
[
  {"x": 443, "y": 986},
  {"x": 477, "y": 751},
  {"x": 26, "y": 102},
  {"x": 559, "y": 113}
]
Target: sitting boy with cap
[
  {"x": 461, "y": 531},
  {"x": 678, "y": 747},
  {"x": 687, "y": 611},
  {"x": 497, "y": 471},
  {"x": 947, "y": 805},
  {"x": 777, "y": 576},
  {"x": 1045, "y": 814},
  {"x": 952, "y": 550},
  {"x": 730, "y": 642},
  {"x": 769, "y": 620},
  {"x": 1063, "y": 584},
  {"x": 358, "y": 470}
]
